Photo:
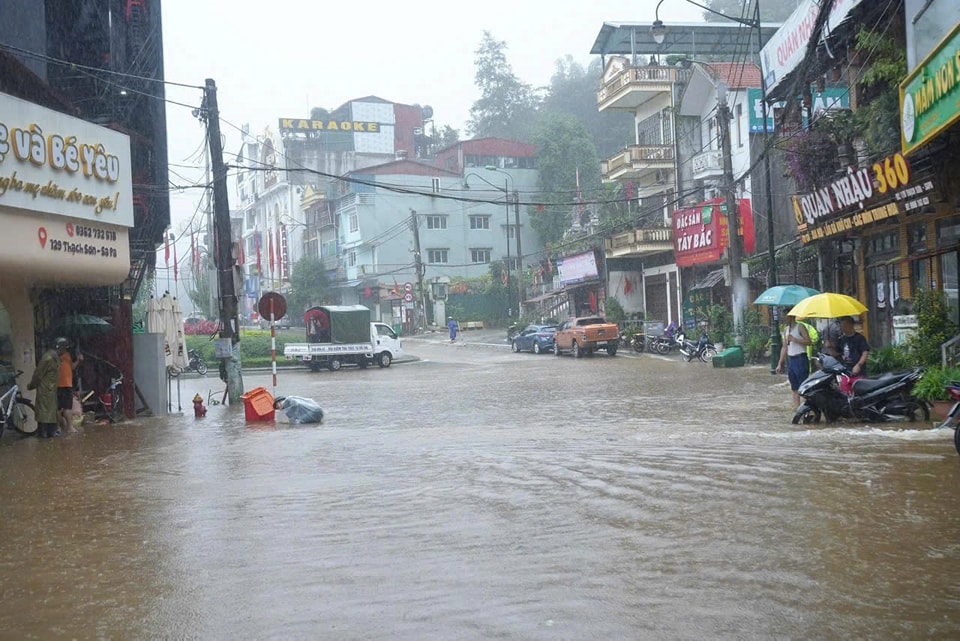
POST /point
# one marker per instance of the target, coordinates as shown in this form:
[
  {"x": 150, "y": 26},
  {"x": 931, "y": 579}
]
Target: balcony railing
[
  {"x": 708, "y": 164},
  {"x": 637, "y": 160},
  {"x": 616, "y": 92},
  {"x": 638, "y": 242}
]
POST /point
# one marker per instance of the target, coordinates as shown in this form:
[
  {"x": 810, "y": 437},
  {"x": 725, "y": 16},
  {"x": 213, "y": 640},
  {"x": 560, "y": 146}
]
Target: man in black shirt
[{"x": 852, "y": 348}]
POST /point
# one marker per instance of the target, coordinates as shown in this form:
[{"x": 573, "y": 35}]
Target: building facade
[{"x": 84, "y": 173}]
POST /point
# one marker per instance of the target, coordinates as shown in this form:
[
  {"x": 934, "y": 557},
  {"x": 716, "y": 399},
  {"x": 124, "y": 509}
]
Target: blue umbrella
[{"x": 785, "y": 295}]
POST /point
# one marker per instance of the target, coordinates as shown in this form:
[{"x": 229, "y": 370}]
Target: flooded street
[{"x": 477, "y": 494}]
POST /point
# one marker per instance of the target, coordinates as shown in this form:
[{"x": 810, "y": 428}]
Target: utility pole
[
  {"x": 418, "y": 265},
  {"x": 516, "y": 215},
  {"x": 506, "y": 202},
  {"x": 229, "y": 324},
  {"x": 733, "y": 213}
]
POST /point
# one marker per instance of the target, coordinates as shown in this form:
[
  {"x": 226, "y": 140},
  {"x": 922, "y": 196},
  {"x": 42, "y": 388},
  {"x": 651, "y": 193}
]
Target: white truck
[{"x": 342, "y": 334}]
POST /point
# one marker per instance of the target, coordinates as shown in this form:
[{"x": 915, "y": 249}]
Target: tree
[
  {"x": 565, "y": 147},
  {"x": 573, "y": 91},
  {"x": 308, "y": 285},
  {"x": 447, "y": 136},
  {"x": 770, "y": 10},
  {"x": 506, "y": 106},
  {"x": 199, "y": 294}
]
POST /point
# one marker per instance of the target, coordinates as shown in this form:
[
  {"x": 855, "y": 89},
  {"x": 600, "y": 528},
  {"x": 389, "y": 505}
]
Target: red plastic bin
[{"x": 258, "y": 405}]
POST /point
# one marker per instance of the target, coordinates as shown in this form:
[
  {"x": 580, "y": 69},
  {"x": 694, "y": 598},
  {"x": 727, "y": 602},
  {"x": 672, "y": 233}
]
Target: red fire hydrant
[{"x": 199, "y": 410}]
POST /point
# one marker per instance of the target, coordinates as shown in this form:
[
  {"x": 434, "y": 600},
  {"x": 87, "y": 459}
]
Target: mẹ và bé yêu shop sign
[
  {"x": 305, "y": 126},
  {"x": 930, "y": 95},
  {"x": 57, "y": 164}
]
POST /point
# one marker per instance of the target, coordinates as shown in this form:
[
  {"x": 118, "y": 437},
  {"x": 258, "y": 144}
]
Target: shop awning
[{"x": 710, "y": 280}]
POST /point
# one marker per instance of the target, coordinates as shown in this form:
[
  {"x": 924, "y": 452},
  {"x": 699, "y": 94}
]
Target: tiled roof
[{"x": 737, "y": 75}]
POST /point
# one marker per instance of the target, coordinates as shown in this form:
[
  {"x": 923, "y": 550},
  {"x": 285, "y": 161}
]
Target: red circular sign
[{"x": 279, "y": 305}]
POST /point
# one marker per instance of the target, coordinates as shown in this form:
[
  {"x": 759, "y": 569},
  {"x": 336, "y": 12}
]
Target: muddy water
[{"x": 477, "y": 494}]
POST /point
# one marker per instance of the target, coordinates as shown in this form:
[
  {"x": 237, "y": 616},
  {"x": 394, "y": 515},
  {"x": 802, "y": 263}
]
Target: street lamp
[
  {"x": 506, "y": 201},
  {"x": 658, "y": 31},
  {"x": 516, "y": 214}
]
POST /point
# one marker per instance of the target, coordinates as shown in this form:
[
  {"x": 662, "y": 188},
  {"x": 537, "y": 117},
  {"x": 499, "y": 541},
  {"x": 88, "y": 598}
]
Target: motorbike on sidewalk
[
  {"x": 637, "y": 341},
  {"x": 702, "y": 349},
  {"x": 196, "y": 363},
  {"x": 666, "y": 342},
  {"x": 953, "y": 416},
  {"x": 887, "y": 397}
]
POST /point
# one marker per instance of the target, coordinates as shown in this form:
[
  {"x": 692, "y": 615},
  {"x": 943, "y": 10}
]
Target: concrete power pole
[
  {"x": 223, "y": 241},
  {"x": 734, "y": 253},
  {"x": 516, "y": 215},
  {"x": 418, "y": 264}
]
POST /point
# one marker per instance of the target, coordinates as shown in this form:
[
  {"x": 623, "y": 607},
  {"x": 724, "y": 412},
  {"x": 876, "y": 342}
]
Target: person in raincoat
[
  {"x": 45, "y": 379},
  {"x": 454, "y": 327}
]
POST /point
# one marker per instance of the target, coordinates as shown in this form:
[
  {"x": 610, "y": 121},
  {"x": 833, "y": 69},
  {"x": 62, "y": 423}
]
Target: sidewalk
[{"x": 475, "y": 337}]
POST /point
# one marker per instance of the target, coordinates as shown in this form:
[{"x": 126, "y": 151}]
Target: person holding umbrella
[
  {"x": 65, "y": 384},
  {"x": 794, "y": 355}
]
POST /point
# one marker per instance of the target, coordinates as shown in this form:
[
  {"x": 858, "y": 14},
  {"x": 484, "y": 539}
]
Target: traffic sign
[
  {"x": 408, "y": 287},
  {"x": 279, "y": 305},
  {"x": 408, "y": 297}
]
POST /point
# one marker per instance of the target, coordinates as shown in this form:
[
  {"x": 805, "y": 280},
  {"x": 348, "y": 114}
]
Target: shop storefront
[
  {"x": 66, "y": 206},
  {"x": 701, "y": 236}
]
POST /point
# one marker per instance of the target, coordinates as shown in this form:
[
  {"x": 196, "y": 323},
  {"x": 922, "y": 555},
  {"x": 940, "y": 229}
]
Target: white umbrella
[
  {"x": 169, "y": 329},
  {"x": 179, "y": 346},
  {"x": 154, "y": 318}
]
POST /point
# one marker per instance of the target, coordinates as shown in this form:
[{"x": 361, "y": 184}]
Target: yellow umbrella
[{"x": 828, "y": 305}]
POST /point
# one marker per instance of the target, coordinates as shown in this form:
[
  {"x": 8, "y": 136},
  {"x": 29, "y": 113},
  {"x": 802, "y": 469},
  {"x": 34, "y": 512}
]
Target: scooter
[
  {"x": 884, "y": 398},
  {"x": 196, "y": 363},
  {"x": 702, "y": 349},
  {"x": 953, "y": 417},
  {"x": 637, "y": 341},
  {"x": 668, "y": 341}
]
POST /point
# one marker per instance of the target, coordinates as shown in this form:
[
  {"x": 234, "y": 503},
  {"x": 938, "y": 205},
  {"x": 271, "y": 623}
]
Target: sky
[{"x": 281, "y": 58}]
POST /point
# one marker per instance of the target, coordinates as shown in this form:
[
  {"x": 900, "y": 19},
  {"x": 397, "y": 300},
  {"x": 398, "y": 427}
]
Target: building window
[
  {"x": 479, "y": 222},
  {"x": 352, "y": 258},
  {"x": 354, "y": 222},
  {"x": 739, "y": 120},
  {"x": 510, "y": 230},
  {"x": 480, "y": 255},
  {"x": 435, "y": 185},
  {"x": 436, "y": 222},
  {"x": 514, "y": 263},
  {"x": 435, "y": 256},
  {"x": 667, "y": 126}
]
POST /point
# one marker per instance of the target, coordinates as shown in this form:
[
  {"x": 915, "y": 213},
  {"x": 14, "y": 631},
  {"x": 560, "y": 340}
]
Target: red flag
[
  {"x": 627, "y": 286},
  {"x": 243, "y": 255},
  {"x": 259, "y": 255},
  {"x": 279, "y": 254},
  {"x": 175, "y": 270},
  {"x": 166, "y": 252},
  {"x": 272, "y": 260}
]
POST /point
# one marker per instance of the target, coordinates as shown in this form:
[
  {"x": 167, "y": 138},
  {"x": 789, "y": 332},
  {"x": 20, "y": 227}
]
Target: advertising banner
[
  {"x": 578, "y": 268},
  {"x": 826, "y": 100},
  {"x": 930, "y": 95},
  {"x": 60, "y": 165},
  {"x": 702, "y": 233}
]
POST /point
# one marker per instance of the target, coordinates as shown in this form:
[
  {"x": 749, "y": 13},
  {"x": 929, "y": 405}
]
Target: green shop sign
[{"x": 930, "y": 96}]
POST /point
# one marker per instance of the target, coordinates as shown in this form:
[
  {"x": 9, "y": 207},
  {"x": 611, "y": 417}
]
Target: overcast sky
[{"x": 281, "y": 57}]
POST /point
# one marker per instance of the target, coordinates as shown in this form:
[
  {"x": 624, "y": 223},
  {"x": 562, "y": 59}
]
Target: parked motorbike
[
  {"x": 702, "y": 349},
  {"x": 664, "y": 344},
  {"x": 196, "y": 363},
  {"x": 637, "y": 341},
  {"x": 883, "y": 398},
  {"x": 953, "y": 417}
]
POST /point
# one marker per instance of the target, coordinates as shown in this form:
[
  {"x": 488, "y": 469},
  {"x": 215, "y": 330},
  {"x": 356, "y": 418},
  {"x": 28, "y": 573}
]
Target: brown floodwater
[{"x": 479, "y": 494}]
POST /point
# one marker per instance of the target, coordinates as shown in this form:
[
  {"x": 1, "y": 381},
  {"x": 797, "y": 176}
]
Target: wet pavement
[{"x": 473, "y": 493}]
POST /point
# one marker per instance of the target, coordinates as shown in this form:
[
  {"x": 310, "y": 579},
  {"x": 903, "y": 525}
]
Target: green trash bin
[
  {"x": 398, "y": 328},
  {"x": 730, "y": 357}
]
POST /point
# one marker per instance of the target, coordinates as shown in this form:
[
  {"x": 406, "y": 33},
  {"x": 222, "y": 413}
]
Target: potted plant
[{"x": 933, "y": 389}]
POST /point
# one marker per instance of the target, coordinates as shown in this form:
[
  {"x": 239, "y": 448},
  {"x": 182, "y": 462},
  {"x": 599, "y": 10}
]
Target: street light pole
[{"x": 516, "y": 230}]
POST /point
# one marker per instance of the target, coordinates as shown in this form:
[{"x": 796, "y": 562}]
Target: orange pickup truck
[{"x": 585, "y": 334}]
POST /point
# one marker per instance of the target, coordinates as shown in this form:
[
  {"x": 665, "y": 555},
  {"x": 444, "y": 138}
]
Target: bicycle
[
  {"x": 12, "y": 405},
  {"x": 111, "y": 401}
]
